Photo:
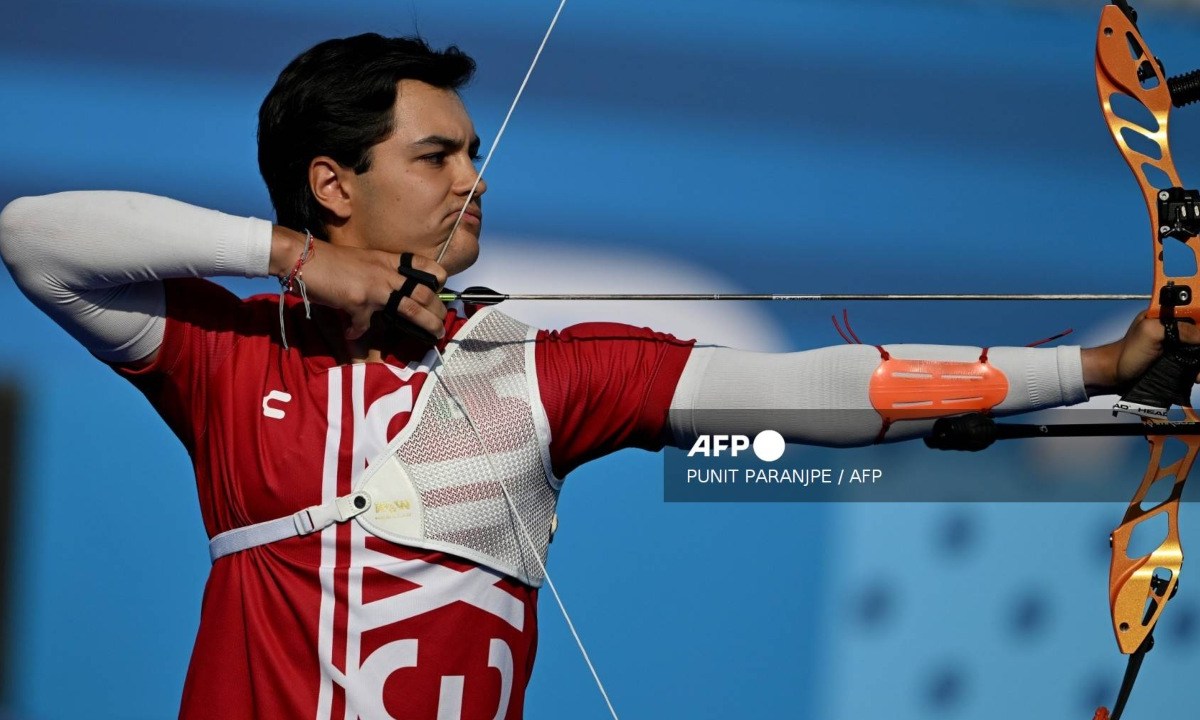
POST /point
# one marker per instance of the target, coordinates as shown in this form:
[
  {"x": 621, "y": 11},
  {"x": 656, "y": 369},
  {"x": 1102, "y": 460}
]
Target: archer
[{"x": 377, "y": 471}]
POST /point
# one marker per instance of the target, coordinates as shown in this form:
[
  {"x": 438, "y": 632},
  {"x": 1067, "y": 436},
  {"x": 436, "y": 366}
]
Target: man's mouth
[{"x": 473, "y": 215}]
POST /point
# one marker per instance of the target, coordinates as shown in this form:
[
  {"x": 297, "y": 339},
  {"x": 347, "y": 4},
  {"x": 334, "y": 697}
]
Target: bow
[
  {"x": 1140, "y": 588},
  {"x": 1136, "y": 97}
]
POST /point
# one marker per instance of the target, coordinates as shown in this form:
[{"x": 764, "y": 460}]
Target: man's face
[{"x": 419, "y": 180}]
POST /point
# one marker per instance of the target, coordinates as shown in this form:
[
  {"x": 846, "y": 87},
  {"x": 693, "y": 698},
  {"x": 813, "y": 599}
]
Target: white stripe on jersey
[{"x": 333, "y": 434}]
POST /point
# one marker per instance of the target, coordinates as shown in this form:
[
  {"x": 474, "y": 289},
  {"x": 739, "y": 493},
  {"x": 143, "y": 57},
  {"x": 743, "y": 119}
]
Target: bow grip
[{"x": 1168, "y": 382}]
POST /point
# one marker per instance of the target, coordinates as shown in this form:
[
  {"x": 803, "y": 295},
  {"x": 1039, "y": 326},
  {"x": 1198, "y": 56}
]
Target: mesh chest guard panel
[{"x": 434, "y": 487}]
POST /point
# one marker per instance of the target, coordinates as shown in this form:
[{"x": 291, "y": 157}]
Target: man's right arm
[{"x": 94, "y": 261}]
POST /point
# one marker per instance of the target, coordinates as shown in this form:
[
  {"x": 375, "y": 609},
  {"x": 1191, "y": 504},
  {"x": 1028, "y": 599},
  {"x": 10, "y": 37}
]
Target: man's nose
[
  {"x": 468, "y": 179},
  {"x": 479, "y": 189}
]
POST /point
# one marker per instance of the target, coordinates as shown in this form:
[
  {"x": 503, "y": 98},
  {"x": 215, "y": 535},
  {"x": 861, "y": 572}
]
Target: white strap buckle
[{"x": 319, "y": 517}]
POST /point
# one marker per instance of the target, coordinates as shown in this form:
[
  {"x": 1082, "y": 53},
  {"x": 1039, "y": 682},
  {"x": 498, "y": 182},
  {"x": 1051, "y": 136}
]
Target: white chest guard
[{"x": 434, "y": 486}]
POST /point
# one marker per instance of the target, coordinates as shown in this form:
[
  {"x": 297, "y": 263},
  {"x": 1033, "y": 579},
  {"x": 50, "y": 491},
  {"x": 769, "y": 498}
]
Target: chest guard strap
[{"x": 304, "y": 522}]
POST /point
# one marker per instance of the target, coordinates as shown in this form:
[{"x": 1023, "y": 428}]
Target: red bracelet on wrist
[{"x": 296, "y": 278}]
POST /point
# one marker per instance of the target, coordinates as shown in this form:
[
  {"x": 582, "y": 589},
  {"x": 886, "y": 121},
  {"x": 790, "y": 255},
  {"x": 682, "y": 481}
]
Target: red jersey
[{"x": 341, "y": 624}]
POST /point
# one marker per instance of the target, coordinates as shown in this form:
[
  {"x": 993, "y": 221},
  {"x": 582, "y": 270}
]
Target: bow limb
[{"x": 1140, "y": 587}]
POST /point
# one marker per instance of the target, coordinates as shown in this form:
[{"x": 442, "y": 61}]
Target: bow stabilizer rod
[{"x": 976, "y": 431}]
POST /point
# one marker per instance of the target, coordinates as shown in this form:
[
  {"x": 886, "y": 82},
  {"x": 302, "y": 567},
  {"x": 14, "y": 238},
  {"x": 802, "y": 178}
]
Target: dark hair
[{"x": 336, "y": 99}]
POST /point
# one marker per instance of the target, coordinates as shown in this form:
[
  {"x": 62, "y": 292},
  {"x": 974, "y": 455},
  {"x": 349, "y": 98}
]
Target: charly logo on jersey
[
  {"x": 271, "y": 404},
  {"x": 768, "y": 446}
]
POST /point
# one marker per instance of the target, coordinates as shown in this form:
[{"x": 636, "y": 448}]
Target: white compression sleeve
[
  {"x": 93, "y": 261},
  {"x": 726, "y": 391}
]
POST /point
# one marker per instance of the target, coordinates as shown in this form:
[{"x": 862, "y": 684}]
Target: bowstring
[
  {"x": 442, "y": 378},
  {"x": 503, "y": 125},
  {"x": 512, "y": 505}
]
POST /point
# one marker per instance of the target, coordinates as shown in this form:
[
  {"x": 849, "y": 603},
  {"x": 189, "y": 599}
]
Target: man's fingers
[
  {"x": 429, "y": 317},
  {"x": 1189, "y": 333},
  {"x": 429, "y": 266},
  {"x": 428, "y": 298}
]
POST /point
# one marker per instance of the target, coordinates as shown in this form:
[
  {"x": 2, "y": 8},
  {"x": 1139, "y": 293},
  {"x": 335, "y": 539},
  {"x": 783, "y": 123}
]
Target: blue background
[{"x": 852, "y": 146}]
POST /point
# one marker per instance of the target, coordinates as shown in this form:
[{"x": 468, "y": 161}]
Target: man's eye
[
  {"x": 434, "y": 158},
  {"x": 476, "y": 157}
]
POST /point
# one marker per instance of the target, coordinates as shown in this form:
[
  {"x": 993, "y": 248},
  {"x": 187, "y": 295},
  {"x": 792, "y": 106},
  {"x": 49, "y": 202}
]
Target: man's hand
[
  {"x": 359, "y": 282},
  {"x": 1114, "y": 368}
]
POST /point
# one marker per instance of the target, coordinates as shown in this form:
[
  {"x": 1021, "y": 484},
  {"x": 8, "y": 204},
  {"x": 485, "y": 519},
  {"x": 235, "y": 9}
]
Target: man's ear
[{"x": 332, "y": 185}]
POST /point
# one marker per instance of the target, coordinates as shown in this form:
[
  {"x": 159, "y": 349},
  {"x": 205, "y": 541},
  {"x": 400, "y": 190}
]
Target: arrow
[{"x": 487, "y": 296}]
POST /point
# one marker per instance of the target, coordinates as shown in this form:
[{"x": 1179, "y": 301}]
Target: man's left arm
[
  {"x": 607, "y": 386},
  {"x": 854, "y": 395}
]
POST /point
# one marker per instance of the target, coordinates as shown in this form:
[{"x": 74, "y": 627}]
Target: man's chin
[
  {"x": 462, "y": 253},
  {"x": 460, "y": 266}
]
